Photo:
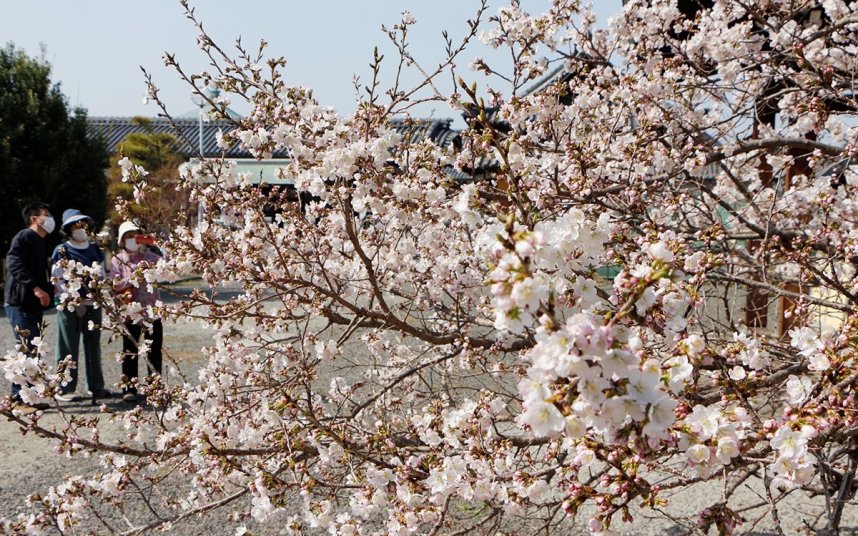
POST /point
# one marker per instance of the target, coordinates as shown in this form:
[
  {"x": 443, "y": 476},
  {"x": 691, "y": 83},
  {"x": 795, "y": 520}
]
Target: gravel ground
[{"x": 28, "y": 464}]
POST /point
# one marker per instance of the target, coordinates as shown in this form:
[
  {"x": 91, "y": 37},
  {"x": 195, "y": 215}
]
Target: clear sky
[{"x": 96, "y": 47}]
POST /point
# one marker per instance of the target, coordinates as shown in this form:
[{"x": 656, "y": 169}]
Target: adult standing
[
  {"x": 28, "y": 291},
  {"x": 75, "y": 324},
  {"x": 134, "y": 254}
]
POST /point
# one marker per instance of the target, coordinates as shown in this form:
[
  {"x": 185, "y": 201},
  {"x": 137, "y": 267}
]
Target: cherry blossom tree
[{"x": 649, "y": 287}]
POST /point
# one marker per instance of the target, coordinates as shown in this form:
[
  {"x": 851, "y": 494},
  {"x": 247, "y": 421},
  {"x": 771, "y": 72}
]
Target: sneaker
[
  {"x": 63, "y": 397},
  {"x": 100, "y": 393},
  {"x": 129, "y": 396}
]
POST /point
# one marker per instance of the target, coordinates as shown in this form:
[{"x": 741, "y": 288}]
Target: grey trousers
[{"x": 71, "y": 329}]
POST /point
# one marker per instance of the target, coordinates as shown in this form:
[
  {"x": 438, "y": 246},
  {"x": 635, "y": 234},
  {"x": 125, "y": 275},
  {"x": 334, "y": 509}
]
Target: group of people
[{"x": 33, "y": 279}]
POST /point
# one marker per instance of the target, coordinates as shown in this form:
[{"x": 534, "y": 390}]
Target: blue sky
[{"x": 96, "y": 47}]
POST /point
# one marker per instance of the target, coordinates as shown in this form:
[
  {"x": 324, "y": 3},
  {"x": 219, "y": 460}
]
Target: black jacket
[{"x": 27, "y": 268}]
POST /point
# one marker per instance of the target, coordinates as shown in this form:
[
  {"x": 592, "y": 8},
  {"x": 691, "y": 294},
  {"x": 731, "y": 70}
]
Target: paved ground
[{"x": 28, "y": 464}]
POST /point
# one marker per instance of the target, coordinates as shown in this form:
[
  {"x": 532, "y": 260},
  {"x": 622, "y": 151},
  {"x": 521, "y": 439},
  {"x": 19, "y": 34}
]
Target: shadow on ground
[
  {"x": 83, "y": 405},
  {"x": 677, "y": 530},
  {"x": 174, "y": 294}
]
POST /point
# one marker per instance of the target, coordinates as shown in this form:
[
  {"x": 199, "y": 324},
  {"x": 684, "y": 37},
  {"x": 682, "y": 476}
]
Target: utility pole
[{"x": 200, "y": 102}]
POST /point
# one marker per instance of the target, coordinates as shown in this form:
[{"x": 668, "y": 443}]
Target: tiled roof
[
  {"x": 417, "y": 130},
  {"x": 114, "y": 129},
  {"x": 436, "y": 130},
  {"x": 578, "y": 65},
  {"x": 561, "y": 75}
]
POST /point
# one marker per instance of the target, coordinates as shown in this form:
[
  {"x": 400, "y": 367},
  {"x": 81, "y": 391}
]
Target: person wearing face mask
[
  {"x": 74, "y": 318},
  {"x": 28, "y": 291},
  {"x": 134, "y": 254}
]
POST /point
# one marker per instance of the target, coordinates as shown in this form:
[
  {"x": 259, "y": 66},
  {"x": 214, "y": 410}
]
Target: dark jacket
[{"x": 26, "y": 269}]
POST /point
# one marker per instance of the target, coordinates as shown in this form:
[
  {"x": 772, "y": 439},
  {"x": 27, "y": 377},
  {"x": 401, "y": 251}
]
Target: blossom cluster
[{"x": 643, "y": 283}]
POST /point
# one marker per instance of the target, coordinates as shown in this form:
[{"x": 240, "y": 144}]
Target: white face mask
[
  {"x": 79, "y": 235},
  {"x": 48, "y": 224},
  {"x": 131, "y": 245}
]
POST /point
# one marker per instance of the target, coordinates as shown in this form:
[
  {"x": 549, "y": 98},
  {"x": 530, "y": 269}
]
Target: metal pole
[
  {"x": 200, "y": 116},
  {"x": 201, "y": 209}
]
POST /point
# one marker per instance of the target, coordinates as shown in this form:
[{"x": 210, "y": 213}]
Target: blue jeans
[
  {"x": 71, "y": 328},
  {"x": 26, "y": 325}
]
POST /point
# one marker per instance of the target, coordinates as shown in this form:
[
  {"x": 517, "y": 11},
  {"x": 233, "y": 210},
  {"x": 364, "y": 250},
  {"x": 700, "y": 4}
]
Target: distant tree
[
  {"x": 159, "y": 153},
  {"x": 45, "y": 152}
]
